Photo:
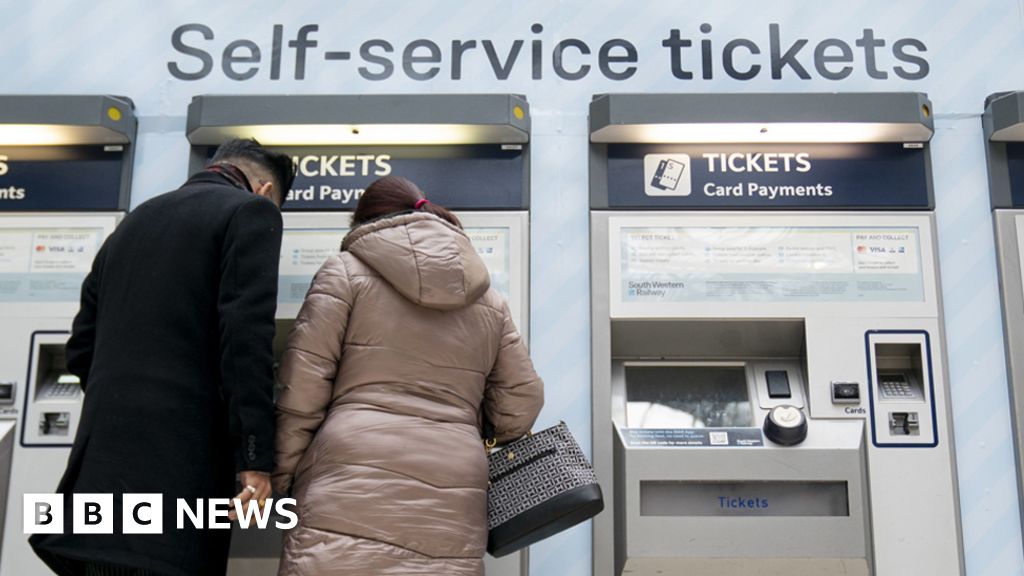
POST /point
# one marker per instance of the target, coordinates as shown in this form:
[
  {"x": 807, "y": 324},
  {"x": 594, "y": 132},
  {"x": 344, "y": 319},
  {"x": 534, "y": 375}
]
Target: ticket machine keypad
[
  {"x": 61, "y": 390},
  {"x": 895, "y": 386},
  {"x": 66, "y": 387}
]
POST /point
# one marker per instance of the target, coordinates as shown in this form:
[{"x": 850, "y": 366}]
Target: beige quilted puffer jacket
[{"x": 398, "y": 350}]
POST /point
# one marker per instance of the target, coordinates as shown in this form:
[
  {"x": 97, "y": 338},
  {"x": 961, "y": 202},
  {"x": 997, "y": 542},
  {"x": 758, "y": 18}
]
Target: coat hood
[{"x": 428, "y": 260}]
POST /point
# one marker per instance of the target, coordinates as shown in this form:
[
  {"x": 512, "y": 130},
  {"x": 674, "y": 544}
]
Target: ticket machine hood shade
[
  {"x": 761, "y": 118},
  {"x": 66, "y": 120}
]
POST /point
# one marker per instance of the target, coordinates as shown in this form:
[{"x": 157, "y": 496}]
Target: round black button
[{"x": 785, "y": 425}]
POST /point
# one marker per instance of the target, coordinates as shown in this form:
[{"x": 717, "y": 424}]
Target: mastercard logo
[{"x": 40, "y": 248}]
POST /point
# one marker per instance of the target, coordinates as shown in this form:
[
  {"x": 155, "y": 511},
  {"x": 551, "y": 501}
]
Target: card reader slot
[{"x": 778, "y": 384}]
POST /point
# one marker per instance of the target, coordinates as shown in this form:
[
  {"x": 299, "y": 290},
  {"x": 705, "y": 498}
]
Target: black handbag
[{"x": 538, "y": 486}]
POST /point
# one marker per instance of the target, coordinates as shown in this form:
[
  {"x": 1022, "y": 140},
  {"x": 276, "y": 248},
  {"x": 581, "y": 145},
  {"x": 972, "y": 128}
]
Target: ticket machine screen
[{"x": 687, "y": 396}]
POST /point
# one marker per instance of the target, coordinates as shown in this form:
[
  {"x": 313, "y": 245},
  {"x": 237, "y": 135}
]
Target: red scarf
[{"x": 233, "y": 173}]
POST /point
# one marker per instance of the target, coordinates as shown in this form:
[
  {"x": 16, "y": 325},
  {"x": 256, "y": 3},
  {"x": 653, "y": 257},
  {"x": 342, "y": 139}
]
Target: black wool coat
[{"x": 173, "y": 345}]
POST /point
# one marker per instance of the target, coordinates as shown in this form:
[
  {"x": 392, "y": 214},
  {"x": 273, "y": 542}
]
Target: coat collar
[{"x": 208, "y": 177}]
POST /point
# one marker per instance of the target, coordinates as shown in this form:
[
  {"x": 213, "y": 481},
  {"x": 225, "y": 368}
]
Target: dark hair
[
  {"x": 280, "y": 166},
  {"x": 392, "y": 195}
]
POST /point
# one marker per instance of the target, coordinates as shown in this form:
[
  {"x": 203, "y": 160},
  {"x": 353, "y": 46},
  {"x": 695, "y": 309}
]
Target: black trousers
[
  {"x": 94, "y": 569},
  {"x": 71, "y": 567}
]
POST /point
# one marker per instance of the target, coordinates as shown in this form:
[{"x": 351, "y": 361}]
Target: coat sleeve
[
  {"x": 80, "y": 346},
  {"x": 515, "y": 393},
  {"x": 246, "y": 303},
  {"x": 308, "y": 368}
]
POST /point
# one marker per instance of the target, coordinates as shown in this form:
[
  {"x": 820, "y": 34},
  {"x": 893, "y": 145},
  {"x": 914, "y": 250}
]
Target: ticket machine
[
  {"x": 65, "y": 174},
  {"x": 1003, "y": 123},
  {"x": 469, "y": 153},
  {"x": 769, "y": 371}
]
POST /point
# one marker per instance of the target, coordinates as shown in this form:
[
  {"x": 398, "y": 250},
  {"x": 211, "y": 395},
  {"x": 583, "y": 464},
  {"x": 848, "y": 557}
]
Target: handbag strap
[{"x": 487, "y": 434}]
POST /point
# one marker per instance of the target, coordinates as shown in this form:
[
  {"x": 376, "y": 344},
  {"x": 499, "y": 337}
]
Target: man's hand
[{"x": 255, "y": 486}]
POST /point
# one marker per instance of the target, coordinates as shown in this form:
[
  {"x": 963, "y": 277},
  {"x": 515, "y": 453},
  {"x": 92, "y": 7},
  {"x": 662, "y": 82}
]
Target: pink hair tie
[{"x": 420, "y": 203}]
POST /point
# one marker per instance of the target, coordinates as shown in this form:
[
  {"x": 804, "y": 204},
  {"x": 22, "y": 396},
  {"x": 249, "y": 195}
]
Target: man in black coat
[{"x": 173, "y": 346}]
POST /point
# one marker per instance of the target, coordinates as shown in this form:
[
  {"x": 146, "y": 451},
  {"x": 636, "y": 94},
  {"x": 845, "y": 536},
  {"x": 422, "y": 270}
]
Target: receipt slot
[
  {"x": 65, "y": 171},
  {"x": 769, "y": 382},
  {"x": 469, "y": 153},
  {"x": 1003, "y": 123}
]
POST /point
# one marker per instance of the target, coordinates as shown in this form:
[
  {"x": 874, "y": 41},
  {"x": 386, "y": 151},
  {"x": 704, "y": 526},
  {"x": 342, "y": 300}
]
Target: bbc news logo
[{"x": 143, "y": 514}]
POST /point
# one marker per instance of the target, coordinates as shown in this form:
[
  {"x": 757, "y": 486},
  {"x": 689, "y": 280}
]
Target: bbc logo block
[
  {"x": 91, "y": 514},
  {"x": 142, "y": 514},
  {"x": 43, "y": 514}
]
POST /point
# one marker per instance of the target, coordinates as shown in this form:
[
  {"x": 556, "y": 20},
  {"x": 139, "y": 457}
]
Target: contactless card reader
[
  {"x": 846, "y": 393},
  {"x": 7, "y": 392}
]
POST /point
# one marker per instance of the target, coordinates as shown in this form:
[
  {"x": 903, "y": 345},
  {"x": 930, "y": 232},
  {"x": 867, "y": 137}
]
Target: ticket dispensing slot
[{"x": 716, "y": 499}]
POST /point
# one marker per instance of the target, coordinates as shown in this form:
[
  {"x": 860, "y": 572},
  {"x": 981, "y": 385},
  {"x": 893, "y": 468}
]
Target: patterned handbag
[{"x": 539, "y": 485}]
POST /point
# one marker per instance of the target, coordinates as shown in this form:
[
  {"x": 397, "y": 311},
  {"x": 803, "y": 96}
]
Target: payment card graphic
[{"x": 667, "y": 174}]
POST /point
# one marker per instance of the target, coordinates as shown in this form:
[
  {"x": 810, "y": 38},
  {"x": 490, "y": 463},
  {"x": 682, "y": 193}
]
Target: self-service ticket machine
[
  {"x": 769, "y": 374},
  {"x": 65, "y": 172},
  {"x": 469, "y": 153},
  {"x": 1003, "y": 123}
]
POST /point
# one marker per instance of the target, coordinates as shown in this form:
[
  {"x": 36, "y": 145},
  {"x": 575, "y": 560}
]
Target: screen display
[{"x": 660, "y": 396}]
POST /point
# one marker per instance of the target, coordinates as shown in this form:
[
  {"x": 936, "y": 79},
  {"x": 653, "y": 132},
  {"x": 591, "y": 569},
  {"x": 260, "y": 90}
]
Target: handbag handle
[{"x": 488, "y": 435}]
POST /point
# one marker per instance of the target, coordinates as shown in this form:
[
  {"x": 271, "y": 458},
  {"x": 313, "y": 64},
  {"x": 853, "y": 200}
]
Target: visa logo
[{"x": 877, "y": 250}]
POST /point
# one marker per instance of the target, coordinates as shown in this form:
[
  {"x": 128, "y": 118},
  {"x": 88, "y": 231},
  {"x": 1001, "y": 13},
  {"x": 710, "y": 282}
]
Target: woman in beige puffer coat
[{"x": 399, "y": 350}]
